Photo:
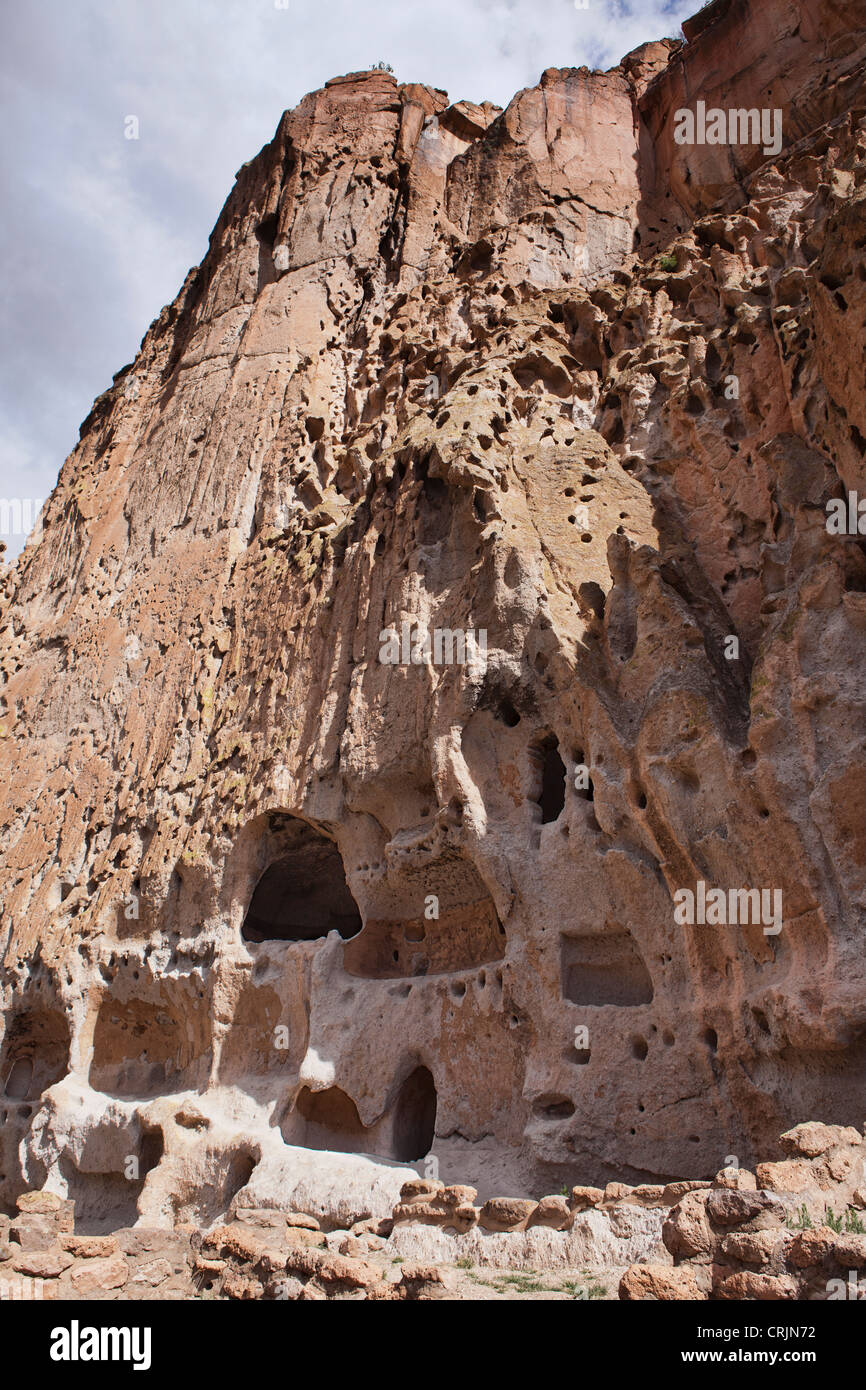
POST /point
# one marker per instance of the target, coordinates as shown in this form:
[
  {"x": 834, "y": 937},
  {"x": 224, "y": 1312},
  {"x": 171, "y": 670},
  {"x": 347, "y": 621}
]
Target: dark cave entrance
[
  {"x": 415, "y": 1117},
  {"x": 151, "y": 1151},
  {"x": 303, "y": 894},
  {"x": 550, "y": 795}
]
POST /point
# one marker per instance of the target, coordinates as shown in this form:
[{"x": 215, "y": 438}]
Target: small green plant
[
  {"x": 382, "y": 67},
  {"x": 397, "y": 1260},
  {"x": 668, "y": 262},
  {"x": 584, "y": 1291},
  {"x": 832, "y": 1220},
  {"x": 563, "y": 1191},
  {"x": 801, "y": 1221},
  {"x": 464, "y": 1262},
  {"x": 524, "y": 1283},
  {"x": 853, "y": 1224}
]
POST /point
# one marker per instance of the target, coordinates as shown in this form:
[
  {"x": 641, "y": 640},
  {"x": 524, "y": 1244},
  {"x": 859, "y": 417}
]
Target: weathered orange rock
[
  {"x": 506, "y": 1213},
  {"x": 100, "y": 1275},
  {"x": 421, "y": 1282},
  {"x": 755, "y": 1247},
  {"x": 760, "y": 1287},
  {"x": 34, "y": 1232},
  {"x": 664, "y": 1283},
  {"x": 41, "y": 1264},
  {"x": 850, "y": 1250},
  {"x": 459, "y": 1194},
  {"x": 841, "y": 1163},
  {"x": 235, "y": 1241},
  {"x": 687, "y": 1230},
  {"x": 740, "y": 1179},
  {"x": 435, "y": 1213},
  {"x": 583, "y": 1197},
  {"x": 328, "y": 1268},
  {"x": 673, "y": 1191},
  {"x": 616, "y": 1192},
  {"x": 648, "y": 1194},
  {"x": 89, "y": 1247},
  {"x": 376, "y": 1228},
  {"x": 551, "y": 1211},
  {"x": 41, "y": 1203},
  {"x": 726, "y": 1208},
  {"x": 240, "y": 1286},
  {"x": 790, "y": 1175},
  {"x": 811, "y": 1247},
  {"x": 300, "y": 1221},
  {"x": 420, "y": 1190},
  {"x": 811, "y": 1139},
  {"x": 313, "y": 1292}
]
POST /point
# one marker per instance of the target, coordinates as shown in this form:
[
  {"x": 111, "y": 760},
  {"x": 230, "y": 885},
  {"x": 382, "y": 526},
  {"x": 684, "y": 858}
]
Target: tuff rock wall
[{"x": 466, "y": 369}]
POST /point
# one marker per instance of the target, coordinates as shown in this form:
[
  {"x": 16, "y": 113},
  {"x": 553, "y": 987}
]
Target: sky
[{"x": 97, "y": 231}]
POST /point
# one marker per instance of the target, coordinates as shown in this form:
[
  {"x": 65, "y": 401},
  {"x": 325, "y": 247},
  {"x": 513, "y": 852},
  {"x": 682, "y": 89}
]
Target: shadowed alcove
[
  {"x": 303, "y": 894},
  {"x": 606, "y": 968},
  {"x": 438, "y": 919},
  {"x": 150, "y": 1046},
  {"x": 329, "y": 1120},
  {"x": 35, "y": 1052}
]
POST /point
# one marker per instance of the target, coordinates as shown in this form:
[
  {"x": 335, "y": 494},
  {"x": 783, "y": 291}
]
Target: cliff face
[{"x": 434, "y": 371}]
